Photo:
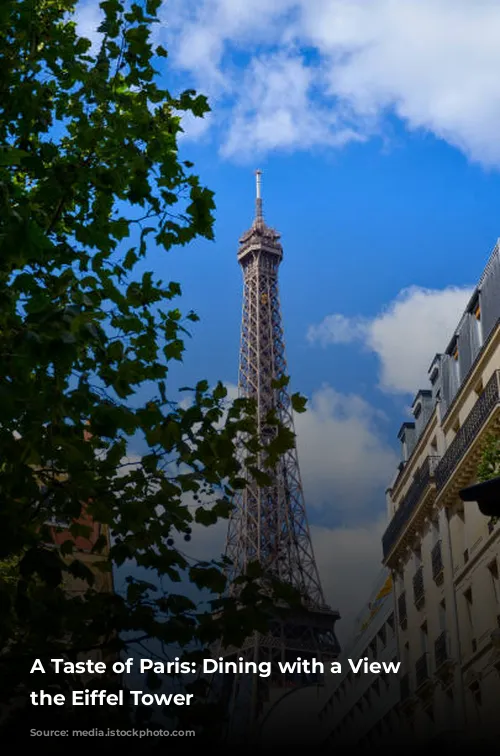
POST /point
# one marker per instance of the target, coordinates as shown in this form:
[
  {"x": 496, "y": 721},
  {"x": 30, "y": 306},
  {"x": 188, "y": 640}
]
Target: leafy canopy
[
  {"x": 489, "y": 464},
  {"x": 90, "y": 179}
]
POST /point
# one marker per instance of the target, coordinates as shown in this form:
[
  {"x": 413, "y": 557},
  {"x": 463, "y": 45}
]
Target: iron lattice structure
[{"x": 269, "y": 524}]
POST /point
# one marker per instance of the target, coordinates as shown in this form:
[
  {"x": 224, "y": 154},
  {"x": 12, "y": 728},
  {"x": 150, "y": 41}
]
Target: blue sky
[{"x": 377, "y": 131}]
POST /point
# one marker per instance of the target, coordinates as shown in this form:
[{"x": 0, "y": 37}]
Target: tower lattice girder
[{"x": 269, "y": 524}]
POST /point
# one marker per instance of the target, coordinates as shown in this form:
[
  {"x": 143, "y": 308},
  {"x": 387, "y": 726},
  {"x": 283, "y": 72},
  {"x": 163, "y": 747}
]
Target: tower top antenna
[{"x": 258, "y": 181}]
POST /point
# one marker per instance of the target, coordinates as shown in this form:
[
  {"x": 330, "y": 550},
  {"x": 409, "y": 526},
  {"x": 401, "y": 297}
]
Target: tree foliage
[
  {"x": 90, "y": 179},
  {"x": 489, "y": 465}
]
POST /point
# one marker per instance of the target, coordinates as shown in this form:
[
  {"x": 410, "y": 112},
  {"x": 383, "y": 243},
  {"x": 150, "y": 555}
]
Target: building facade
[
  {"x": 443, "y": 555},
  {"x": 361, "y": 710}
]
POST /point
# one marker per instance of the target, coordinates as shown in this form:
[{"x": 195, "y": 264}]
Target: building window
[
  {"x": 390, "y": 623},
  {"x": 479, "y": 327},
  {"x": 442, "y": 615},
  {"x": 475, "y": 689},
  {"x": 406, "y": 657},
  {"x": 399, "y": 580},
  {"x": 424, "y": 638},
  {"x": 493, "y": 570},
  {"x": 456, "y": 368},
  {"x": 458, "y": 525},
  {"x": 382, "y": 636},
  {"x": 469, "y": 616}
]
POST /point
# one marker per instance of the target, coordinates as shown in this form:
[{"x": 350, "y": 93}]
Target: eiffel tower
[{"x": 269, "y": 524}]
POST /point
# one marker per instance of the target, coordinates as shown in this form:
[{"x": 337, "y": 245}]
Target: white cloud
[
  {"x": 276, "y": 110},
  {"x": 337, "y": 329},
  {"x": 349, "y": 560},
  {"x": 195, "y": 128},
  {"x": 363, "y": 60},
  {"x": 405, "y": 336},
  {"x": 89, "y": 17},
  {"x": 344, "y": 462}
]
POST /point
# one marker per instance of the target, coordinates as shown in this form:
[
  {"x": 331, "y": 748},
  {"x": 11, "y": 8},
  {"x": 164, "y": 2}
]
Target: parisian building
[
  {"x": 361, "y": 710},
  {"x": 443, "y": 554}
]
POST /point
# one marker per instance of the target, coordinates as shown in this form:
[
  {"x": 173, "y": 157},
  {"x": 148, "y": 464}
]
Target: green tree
[
  {"x": 489, "y": 465},
  {"x": 90, "y": 176}
]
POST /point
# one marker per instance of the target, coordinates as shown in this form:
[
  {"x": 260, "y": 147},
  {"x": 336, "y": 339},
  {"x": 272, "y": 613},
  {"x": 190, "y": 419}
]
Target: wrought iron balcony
[
  {"x": 405, "y": 511},
  {"x": 421, "y": 670},
  {"x": 469, "y": 430},
  {"x": 441, "y": 654},
  {"x": 437, "y": 562},
  {"x": 405, "y": 687},
  {"x": 418, "y": 586},
  {"x": 402, "y": 615}
]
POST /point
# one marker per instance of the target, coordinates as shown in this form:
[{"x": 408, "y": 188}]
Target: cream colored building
[
  {"x": 444, "y": 555},
  {"x": 362, "y": 709}
]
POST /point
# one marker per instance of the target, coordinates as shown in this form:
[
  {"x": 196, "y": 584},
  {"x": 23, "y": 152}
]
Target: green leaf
[
  {"x": 174, "y": 350},
  {"x": 90, "y": 159},
  {"x": 12, "y": 156},
  {"x": 208, "y": 577},
  {"x": 43, "y": 562},
  {"x": 220, "y": 391},
  {"x": 67, "y": 547},
  {"x": 80, "y": 571},
  {"x": 254, "y": 570},
  {"x": 130, "y": 259},
  {"x": 260, "y": 477},
  {"x": 298, "y": 403},
  {"x": 205, "y": 516},
  {"x": 280, "y": 383}
]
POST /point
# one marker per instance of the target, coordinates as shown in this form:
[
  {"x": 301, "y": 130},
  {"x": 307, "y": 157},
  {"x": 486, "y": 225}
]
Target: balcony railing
[
  {"x": 405, "y": 687},
  {"x": 402, "y": 608},
  {"x": 469, "y": 430},
  {"x": 421, "y": 670},
  {"x": 441, "y": 654},
  {"x": 404, "y": 512},
  {"x": 437, "y": 561},
  {"x": 418, "y": 586}
]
